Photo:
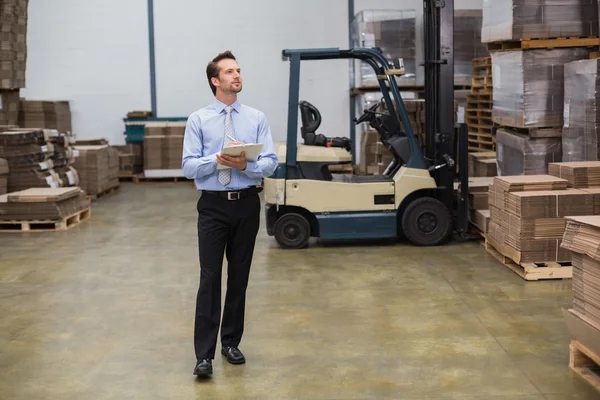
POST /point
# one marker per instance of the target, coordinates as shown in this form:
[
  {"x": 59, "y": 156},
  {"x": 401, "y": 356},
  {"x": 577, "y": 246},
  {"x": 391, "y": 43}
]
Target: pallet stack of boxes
[
  {"x": 98, "y": 168},
  {"x": 53, "y": 118},
  {"x": 582, "y": 241},
  {"x": 394, "y": 32},
  {"x": 28, "y": 153},
  {"x": 163, "y": 142},
  {"x": 13, "y": 57},
  {"x": 527, "y": 222},
  {"x": 528, "y": 64}
]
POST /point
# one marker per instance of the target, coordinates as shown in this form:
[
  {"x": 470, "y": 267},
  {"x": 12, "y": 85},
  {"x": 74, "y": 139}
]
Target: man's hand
[
  {"x": 238, "y": 162},
  {"x": 233, "y": 162}
]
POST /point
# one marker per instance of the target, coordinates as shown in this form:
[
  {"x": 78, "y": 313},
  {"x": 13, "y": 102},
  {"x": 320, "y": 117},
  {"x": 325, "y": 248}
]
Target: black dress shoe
[
  {"x": 233, "y": 354},
  {"x": 203, "y": 367}
]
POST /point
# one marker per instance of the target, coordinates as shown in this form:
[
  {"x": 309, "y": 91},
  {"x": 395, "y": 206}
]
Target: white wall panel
[
  {"x": 93, "y": 53},
  {"x": 190, "y": 34}
]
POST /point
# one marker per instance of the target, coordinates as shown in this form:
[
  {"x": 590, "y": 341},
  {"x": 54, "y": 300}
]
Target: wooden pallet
[
  {"x": 528, "y": 44},
  {"x": 172, "y": 179},
  {"x": 104, "y": 193},
  {"x": 482, "y": 62},
  {"x": 585, "y": 363},
  {"x": 128, "y": 177},
  {"x": 46, "y": 225},
  {"x": 532, "y": 271}
]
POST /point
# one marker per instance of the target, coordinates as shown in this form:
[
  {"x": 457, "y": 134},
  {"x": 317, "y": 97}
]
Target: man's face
[{"x": 230, "y": 79}]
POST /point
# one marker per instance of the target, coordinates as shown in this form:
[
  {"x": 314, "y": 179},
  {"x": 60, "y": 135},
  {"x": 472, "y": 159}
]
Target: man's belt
[{"x": 236, "y": 194}]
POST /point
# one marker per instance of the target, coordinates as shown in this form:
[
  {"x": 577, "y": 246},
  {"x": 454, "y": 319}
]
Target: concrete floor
[{"x": 105, "y": 311}]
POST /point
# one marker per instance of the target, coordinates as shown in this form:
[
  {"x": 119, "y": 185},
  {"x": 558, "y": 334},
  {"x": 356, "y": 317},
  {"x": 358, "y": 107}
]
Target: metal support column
[
  {"x": 438, "y": 24},
  {"x": 351, "y": 84},
  {"x": 152, "y": 58},
  {"x": 293, "y": 97}
]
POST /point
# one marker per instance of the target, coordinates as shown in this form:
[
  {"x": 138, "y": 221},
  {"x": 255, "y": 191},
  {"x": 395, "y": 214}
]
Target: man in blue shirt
[{"x": 228, "y": 209}]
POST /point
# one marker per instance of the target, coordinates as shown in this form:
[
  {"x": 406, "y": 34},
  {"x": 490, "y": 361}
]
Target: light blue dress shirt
[{"x": 204, "y": 138}]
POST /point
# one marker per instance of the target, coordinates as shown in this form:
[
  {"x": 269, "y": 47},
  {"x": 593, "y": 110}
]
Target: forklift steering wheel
[{"x": 370, "y": 112}]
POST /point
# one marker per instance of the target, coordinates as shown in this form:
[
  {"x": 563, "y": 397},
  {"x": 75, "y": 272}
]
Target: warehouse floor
[{"x": 105, "y": 311}]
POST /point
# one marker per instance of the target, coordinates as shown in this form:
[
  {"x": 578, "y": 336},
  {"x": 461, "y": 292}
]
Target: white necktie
[{"x": 225, "y": 174}]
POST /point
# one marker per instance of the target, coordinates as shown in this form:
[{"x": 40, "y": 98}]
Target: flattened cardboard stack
[
  {"x": 538, "y": 19},
  {"x": 582, "y": 239},
  {"x": 374, "y": 156},
  {"x": 29, "y": 157},
  {"x": 4, "y": 170},
  {"x": 13, "y": 43},
  {"x": 579, "y": 174},
  {"x": 519, "y": 154},
  {"x": 529, "y": 86},
  {"x": 45, "y": 114},
  {"x": 163, "y": 147},
  {"x": 394, "y": 32},
  {"x": 527, "y": 216},
  {"x": 9, "y": 111},
  {"x": 467, "y": 44},
  {"x": 131, "y": 159},
  {"x": 62, "y": 155},
  {"x": 42, "y": 204},
  {"x": 482, "y": 164},
  {"x": 581, "y": 112},
  {"x": 479, "y": 213},
  {"x": 528, "y": 94},
  {"x": 98, "y": 168}
]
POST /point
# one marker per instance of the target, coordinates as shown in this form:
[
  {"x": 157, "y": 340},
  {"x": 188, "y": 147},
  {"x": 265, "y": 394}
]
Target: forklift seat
[{"x": 311, "y": 120}]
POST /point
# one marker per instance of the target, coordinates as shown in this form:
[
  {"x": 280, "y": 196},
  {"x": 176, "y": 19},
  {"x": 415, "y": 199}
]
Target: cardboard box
[
  {"x": 163, "y": 152},
  {"x": 518, "y": 154},
  {"x": 528, "y": 86},
  {"x": 98, "y": 168},
  {"x": 581, "y": 112},
  {"x": 506, "y": 20}
]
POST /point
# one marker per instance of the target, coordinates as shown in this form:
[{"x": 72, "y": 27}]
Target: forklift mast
[{"x": 445, "y": 144}]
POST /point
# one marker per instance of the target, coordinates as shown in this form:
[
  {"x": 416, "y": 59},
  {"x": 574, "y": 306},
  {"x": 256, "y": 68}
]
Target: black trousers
[{"x": 229, "y": 228}]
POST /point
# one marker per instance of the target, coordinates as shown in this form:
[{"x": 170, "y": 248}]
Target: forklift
[{"x": 415, "y": 196}]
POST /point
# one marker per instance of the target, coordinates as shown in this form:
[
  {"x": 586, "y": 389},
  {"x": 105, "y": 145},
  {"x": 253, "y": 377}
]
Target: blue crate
[{"x": 135, "y": 127}]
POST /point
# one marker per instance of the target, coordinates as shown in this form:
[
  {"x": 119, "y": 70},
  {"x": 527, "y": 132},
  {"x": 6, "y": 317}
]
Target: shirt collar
[{"x": 219, "y": 106}]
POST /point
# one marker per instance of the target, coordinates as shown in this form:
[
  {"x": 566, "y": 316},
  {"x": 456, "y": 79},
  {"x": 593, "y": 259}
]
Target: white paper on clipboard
[{"x": 252, "y": 152}]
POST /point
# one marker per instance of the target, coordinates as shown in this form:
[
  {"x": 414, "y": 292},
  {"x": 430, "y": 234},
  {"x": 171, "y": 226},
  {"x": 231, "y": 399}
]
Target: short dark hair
[{"x": 212, "y": 69}]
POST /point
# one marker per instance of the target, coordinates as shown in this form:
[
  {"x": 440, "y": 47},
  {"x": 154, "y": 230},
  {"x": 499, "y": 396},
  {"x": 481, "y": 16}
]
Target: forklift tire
[
  {"x": 292, "y": 231},
  {"x": 426, "y": 222}
]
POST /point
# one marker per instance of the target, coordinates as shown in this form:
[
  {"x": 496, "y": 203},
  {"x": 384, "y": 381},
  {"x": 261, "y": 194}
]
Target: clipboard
[{"x": 252, "y": 152}]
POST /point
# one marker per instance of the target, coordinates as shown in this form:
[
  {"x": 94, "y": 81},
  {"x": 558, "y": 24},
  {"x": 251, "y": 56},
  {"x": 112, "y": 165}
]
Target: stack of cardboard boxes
[
  {"x": 467, "y": 44},
  {"x": 29, "y": 156},
  {"x": 131, "y": 160},
  {"x": 394, "y": 32},
  {"x": 13, "y": 44},
  {"x": 3, "y": 176},
  {"x": 580, "y": 140},
  {"x": 163, "y": 147},
  {"x": 45, "y": 114},
  {"x": 98, "y": 168},
  {"x": 528, "y": 75},
  {"x": 582, "y": 241},
  {"x": 42, "y": 204}
]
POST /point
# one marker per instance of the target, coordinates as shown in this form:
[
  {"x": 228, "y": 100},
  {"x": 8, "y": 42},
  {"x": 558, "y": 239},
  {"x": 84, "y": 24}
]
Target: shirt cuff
[{"x": 252, "y": 168}]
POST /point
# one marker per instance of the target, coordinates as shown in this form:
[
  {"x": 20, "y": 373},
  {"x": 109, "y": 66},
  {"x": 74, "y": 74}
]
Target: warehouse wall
[
  {"x": 95, "y": 54},
  {"x": 256, "y": 32}
]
